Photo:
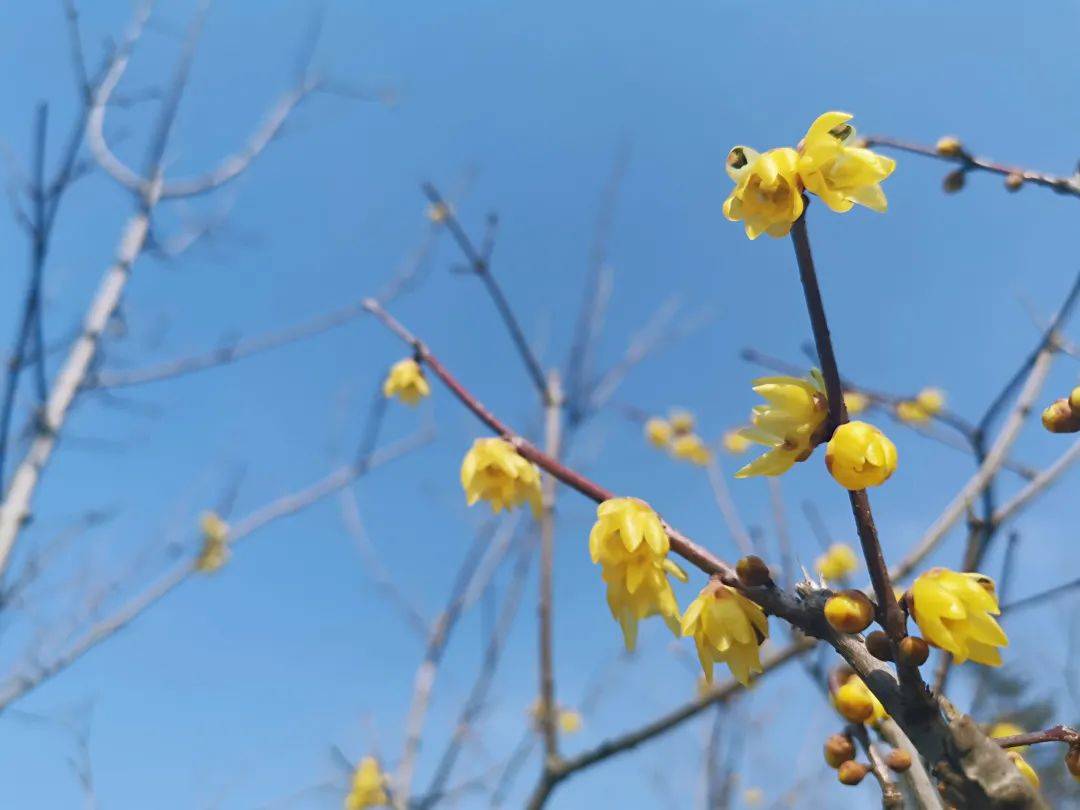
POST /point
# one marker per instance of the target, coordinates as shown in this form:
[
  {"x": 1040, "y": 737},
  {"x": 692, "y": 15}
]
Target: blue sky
[{"x": 231, "y": 692}]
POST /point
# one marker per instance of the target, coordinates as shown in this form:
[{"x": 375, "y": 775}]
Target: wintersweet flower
[
  {"x": 837, "y": 562},
  {"x": 493, "y": 471},
  {"x": 215, "y": 548},
  {"x": 690, "y": 447},
  {"x": 767, "y": 196},
  {"x": 790, "y": 423},
  {"x": 955, "y": 612},
  {"x": 728, "y": 627},
  {"x": 859, "y": 456},
  {"x": 735, "y": 442},
  {"x": 927, "y": 403},
  {"x": 570, "y": 721},
  {"x": 857, "y": 703},
  {"x": 658, "y": 431},
  {"x": 855, "y": 402},
  {"x": 1024, "y": 768},
  {"x": 681, "y": 421},
  {"x": 630, "y": 545},
  {"x": 368, "y": 786},
  {"x": 406, "y": 381},
  {"x": 837, "y": 171}
]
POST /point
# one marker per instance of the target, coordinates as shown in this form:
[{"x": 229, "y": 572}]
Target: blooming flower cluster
[
  {"x": 215, "y": 548},
  {"x": 368, "y": 786},
  {"x": 790, "y": 423},
  {"x": 494, "y": 472},
  {"x": 676, "y": 435},
  {"x": 955, "y": 611},
  {"x": 406, "y": 381},
  {"x": 769, "y": 186}
]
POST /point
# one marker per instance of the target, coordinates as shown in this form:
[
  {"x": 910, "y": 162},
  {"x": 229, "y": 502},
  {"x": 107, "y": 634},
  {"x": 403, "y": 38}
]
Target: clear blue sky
[{"x": 230, "y": 692}]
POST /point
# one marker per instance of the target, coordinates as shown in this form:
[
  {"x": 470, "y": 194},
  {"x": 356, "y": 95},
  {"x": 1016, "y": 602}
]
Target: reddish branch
[{"x": 1062, "y": 734}]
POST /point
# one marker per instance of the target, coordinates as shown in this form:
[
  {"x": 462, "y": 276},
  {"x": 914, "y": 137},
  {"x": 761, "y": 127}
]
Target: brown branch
[{"x": 1062, "y": 734}]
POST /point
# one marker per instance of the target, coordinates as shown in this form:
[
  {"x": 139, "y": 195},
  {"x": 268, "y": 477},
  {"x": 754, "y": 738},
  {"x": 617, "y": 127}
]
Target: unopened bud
[
  {"x": 1072, "y": 762},
  {"x": 898, "y": 760},
  {"x": 854, "y": 702},
  {"x": 736, "y": 158},
  {"x": 949, "y": 146},
  {"x": 1013, "y": 181},
  {"x": 913, "y": 651},
  {"x": 753, "y": 571},
  {"x": 849, "y": 611},
  {"x": 879, "y": 646},
  {"x": 852, "y": 772},
  {"x": 1074, "y": 401},
  {"x": 1059, "y": 417},
  {"x": 838, "y": 750},
  {"x": 954, "y": 181}
]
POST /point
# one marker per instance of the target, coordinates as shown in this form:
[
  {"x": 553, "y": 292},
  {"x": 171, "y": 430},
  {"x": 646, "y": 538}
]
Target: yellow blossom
[
  {"x": 931, "y": 400},
  {"x": 1007, "y": 729},
  {"x": 438, "y": 212},
  {"x": 406, "y": 381},
  {"x": 949, "y": 146},
  {"x": 838, "y": 172},
  {"x": 630, "y": 545},
  {"x": 658, "y": 431},
  {"x": 735, "y": 442},
  {"x": 955, "y": 612},
  {"x": 215, "y": 548},
  {"x": 368, "y": 786},
  {"x": 728, "y": 627},
  {"x": 1024, "y": 768},
  {"x": 855, "y": 402},
  {"x": 767, "y": 196},
  {"x": 837, "y": 562},
  {"x": 857, "y": 703},
  {"x": 681, "y": 421},
  {"x": 690, "y": 447},
  {"x": 569, "y": 721},
  {"x": 493, "y": 471},
  {"x": 912, "y": 412},
  {"x": 859, "y": 456},
  {"x": 789, "y": 423}
]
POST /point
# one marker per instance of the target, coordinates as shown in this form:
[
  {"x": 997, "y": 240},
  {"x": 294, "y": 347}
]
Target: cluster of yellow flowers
[
  {"x": 215, "y": 548},
  {"x": 955, "y": 612},
  {"x": 493, "y": 471},
  {"x": 838, "y": 561},
  {"x": 406, "y": 381},
  {"x": 676, "y": 435},
  {"x": 927, "y": 403},
  {"x": 829, "y": 162},
  {"x": 368, "y": 786},
  {"x": 1063, "y": 415}
]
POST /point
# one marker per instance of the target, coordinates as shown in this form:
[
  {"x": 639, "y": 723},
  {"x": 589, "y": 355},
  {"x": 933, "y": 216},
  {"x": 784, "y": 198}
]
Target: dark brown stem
[{"x": 1062, "y": 734}]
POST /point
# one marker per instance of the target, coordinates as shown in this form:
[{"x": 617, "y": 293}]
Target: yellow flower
[
  {"x": 911, "y": 412},
  {"x": 439, "y": 212},
  {"x": 855, "y": 402},
  {"x": 569, "y": 721},
  {"x": 859, "y": 456},
  {"x": 1007, "y": 730},
  {"x": 735, "y": 442},
  {"x": 838, "y": 172},
  {"x": 728, "y": 627},
  {"x": 857, "y": 703},
  {"x": 215, "y": 547},
  {"x": 753, "y": 796},
  {"x": 955, "y": 612},
  {"x": 630, "y": 545},
  {"x": 368, "y": 786},
  {"x": 789, "y": 423},
  {"x": 406, "y": 382},
  {"x": 768, "y": 195},
  {"x": 837, "y": 562},
  {"x": 493, "y": 471},
  {"x": 658, "y": 431},
  {"x": 1024, "y": 768},
  {"x": 949, "y": 146},
  {"x": 681, "y": 421},
  {"x": 690, "y": 447},
  {"x": 931, "y": 400}
]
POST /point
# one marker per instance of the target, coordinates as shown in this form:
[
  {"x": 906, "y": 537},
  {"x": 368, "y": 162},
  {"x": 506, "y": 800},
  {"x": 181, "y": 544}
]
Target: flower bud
[
  {"x": 838, "y": 750},
  {"x": 879, "y": 646},
  {"x": 849, "y": 611},
  {"x": 898, "y": 760},
  {"x": 954, "y": 181},
  {"x": 859, "y": 456},
  {"x": 913, "y": 651},
  {"x": 1072, "y": 761},
  {"x": 1013, "y": 181},
  {"x": 1059, "y": 417},
  {"x": 658, "y": 431},
  {"x": 949, "y": 146},
  {"x": 753, "y": 571},
  {"x": 852, "y": 772},
  {"x": 854, "y": 702},
  {"x": 681, "y": 421},
  {"x": 1074, "y": 401}
]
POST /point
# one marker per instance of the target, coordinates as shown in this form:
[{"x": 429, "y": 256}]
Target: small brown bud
[
  {"x": 753, "y": 571},
  {"x": 879, "y": 646},
  {"x": 1072, "y": 761},
  {"x": 949, "y": 146},
  {"x": 1059, "y": 417},
  {"x": 954, "y": 181},
  {"x": 1074, "y": 401},
  {"x": 1013, "y": 181},
  {"x": 838, "y": 750},
  {"x": 852, "y": 772},
  {"x": 913, "y": 651},
  {"x": 736, "y": 158},
  {"x": 898, "y": 760},
  {"x": 849, "y": 611}
]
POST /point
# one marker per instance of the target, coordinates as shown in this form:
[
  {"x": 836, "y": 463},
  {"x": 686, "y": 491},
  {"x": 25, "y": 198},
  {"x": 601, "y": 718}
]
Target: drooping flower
[
  {"x": 493, "y": 471},
  {"x": 630, "y": 545},
  {"x": 406, "y": 381},
  {"x": 215, "y": 548},
  {"x": 855, "y": 702},
  {"x": 735, "y": 442},
  {"x": 955, "y": 612},
  {"x": 690, "y": 447},
  {"x": 790, "y": 423},
  {"x": 682, "y": 421},
  {"x": 727, "y": 627},
  {"x": 658, "y": 431},
  {"x": 767, "y": 196},
  {"x": 837, "y": 562},
  {"x": 368, "y": 786},
  {"x": 859, "y": 456},
  {"x": 856, "y": 402},
  {"x": 1024, "y": 768},
  {"x": 838, "y": 172}
]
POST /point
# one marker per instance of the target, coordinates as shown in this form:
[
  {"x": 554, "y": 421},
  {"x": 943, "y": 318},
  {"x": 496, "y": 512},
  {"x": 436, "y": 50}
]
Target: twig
[
  {"x": 1041, "y": 596},
  {"x": 1042, "y": 482},
  {"x": 891, "y": 799},
  {"x": 783, "y": 537},
  {"x": 921, "y": 785},
  {"x": 553, "y": 447},
  {"x": 1062, "y": 734},
  {"x": 722, "y": 494}
]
